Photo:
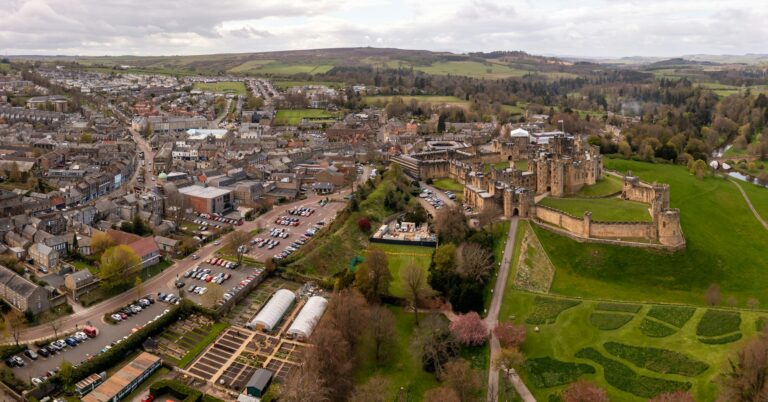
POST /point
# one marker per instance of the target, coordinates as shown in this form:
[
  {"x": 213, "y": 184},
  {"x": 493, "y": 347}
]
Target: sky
[{"x": 581, "y": 28}]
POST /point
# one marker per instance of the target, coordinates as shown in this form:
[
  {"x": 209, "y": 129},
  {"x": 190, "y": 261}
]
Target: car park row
[{"x": 132, "y": 309}]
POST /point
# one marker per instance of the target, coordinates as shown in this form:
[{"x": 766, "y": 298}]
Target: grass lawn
[
  {"x": 404, "y": 367},
  {"x": 607, "y": 185},
  {"x": 292, "y": 117},
  {"x": 448, "y": 185},
  {"x": 573, "y": 331},
  {"x": 500, "y": 232},
  {"x": 233, "y": 87},
  {"x": 758, "y": 196},
  {"x": 443, "y": 100},
  {"x": 401, "y": 256},
  {"x": 725, "y": 245},
  {"x": 213, "y": 332},
  {"x": 603, "y": 209},
  {"x": 289, "y": 84}
]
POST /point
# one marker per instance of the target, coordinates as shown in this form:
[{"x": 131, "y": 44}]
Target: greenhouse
[
  {"x": 271, "y": 314},
  {"x": 308, "y": 318}
]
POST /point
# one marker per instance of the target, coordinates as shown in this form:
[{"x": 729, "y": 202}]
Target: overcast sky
[{"x": 589, "y": 28}]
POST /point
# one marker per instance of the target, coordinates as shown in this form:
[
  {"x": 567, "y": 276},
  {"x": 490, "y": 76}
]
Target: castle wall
[{"x": 638, "y": 230}]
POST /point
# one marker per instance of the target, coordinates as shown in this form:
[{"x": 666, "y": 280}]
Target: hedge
[
  {"x": 659, "y": 360},
  {"x": 674, "y": 315},
  {"x": 722, "y": 340},
  {"x": 546, "y": 309},
  {"x": 624, "y": 378},
  {"x": 609, "y": 321},
  {"x": 7, "y": 351},
  {"x": 654, "y": 329},
  {"x": 620, "y": 307},
  {"x": 718, "y": 322},
  {"x": 546, "y": 372},
  {"x": 180, "y": 391}
]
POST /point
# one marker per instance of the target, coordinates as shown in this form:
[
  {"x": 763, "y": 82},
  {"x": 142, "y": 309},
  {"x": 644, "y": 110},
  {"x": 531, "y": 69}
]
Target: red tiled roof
[
  {"x": 121, "y": 237},
  {"x": 145, "y": 246}
]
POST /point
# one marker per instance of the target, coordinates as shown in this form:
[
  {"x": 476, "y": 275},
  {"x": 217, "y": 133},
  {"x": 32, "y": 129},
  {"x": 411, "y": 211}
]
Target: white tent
[
  {"x": 273, "y": 311},
  {"x": 308, "y": 318},
  {"x": 519, "y": 132}
]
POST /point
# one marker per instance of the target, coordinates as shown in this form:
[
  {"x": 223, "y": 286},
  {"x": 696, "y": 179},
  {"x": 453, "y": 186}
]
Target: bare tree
[
  {"x": 55, "y": 326},
  {"x": 15, "y": 324},
  {"x": 745, "y": 379},
  {"x": 383, "y": 332},
  {"x": 374, "y": 390},
  {"x": 509, "y": 358},
  {"x": 475, "y": 262},
  {"x": 451, "y": 224},
  {"x": 304, "y": 385},
  {"x": 441, "y": 394},
  {"x": 348, "y": 313},
  {"x": 489, "y": 214},
  {"x": 463, "y": 379},
  {"x": 237, "y": 244},
  {"x": 176, "y": 207},
  {"x": 214, "y": 293},
  {"x": 509, "y": 334},
  {"x": 713, "y": 295},
  {"x": 434, "y": 342},
  {"x": 373, "y": 278},
  {"x": 415, "y": 284},
  {"x": 331, "y": 358},
  {"x": 584, "y": 391}
]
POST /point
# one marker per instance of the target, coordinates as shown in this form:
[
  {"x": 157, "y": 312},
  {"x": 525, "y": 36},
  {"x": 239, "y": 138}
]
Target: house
[
  {"x": 45, "y": 257},
  {"x": 79, "y": 283},
  {"x": 167, "y": 245},
  {"x": 259, "y": 382},
  {"x": 147, "y": 250},
  {"x": 22, "y": 294}
]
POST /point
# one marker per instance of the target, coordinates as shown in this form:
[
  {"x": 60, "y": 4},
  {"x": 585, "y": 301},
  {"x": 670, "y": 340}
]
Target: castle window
[{"x": 663, "y": 224}]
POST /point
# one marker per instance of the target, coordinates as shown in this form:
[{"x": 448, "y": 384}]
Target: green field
[
  {"x": 442, "y": 100},
  {"x": 401, "y": 256},
  {"x": 725, "y": 245},
  {"x": 448, "y": 185},
  {"x": 471, "y": 69},
  {"x": 603, "y": 209},
  {"x": 280, "y": 68},
  {"x": 609, "y": 184},
  {"x": 234, "y": 87},
  {"x": 292, "y": 117},
  {"x": 573, "y": 331},
  {"x": 289, "y": 84}
]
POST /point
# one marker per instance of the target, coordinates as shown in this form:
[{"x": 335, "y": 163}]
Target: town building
[
  {"x": 125, "y": 380},
  {"x": 209, "y": 200}
]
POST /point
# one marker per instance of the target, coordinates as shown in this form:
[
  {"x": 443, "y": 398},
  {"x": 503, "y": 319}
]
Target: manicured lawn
[
  {"x": 404, "y": 366},
  {"x": 609, "y": 184},
  {"x": 521, "y": 165},
  {"x": 448, "y": 185},
  {"x": 573, "y": 332},
  {"x": 401, "y": 256},
  {"x": 289, "y": 117},
  {"x": 603, "y": 209},
  {"x": 725, "y": 245},
  {"x": 234, "y": 87},
  {"x": 500, "y": 232}
]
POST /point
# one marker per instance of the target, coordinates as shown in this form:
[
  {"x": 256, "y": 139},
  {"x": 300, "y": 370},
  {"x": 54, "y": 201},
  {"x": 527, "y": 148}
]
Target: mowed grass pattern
[{"x": 603, "y": 209}]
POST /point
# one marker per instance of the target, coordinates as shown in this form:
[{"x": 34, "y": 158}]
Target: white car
[{"x": 116, "y": 317}]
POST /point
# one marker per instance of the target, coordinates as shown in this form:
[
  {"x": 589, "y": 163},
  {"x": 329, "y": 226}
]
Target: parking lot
[
  {"x": 322, "y": 215},
  {"x": 213, "y": 270}
]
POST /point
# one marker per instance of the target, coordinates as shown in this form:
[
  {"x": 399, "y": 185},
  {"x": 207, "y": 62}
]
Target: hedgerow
[
  {"x": 674, "y": 315},
  {"x": 659, "y": 360},
  {"x": 718, "y": 322},
  {"x": 721, "y": 340},
  {"x": 609, "y": 321},
  {"x": 547, "y": 372},
  {"x": 622, "y": 307},
  {"x": 624, "y": 378},
  {"x": 655, "y": 329},
  {"x": 546, "y": 309}
]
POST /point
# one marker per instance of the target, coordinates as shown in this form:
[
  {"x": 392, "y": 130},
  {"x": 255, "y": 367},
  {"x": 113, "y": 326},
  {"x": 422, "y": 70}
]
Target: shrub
[
  {"x": 674, "y": 315},
  {"x": 624, "y": 378},
  {"x": 718, "y": 322},
  {"x": 509, "y": 334},
  {"x": 7, "y": 351},
  {"x": 546, "y": 372},
  {"x": 722, "y": 340},
  {"x": 658, "y": 360},
  {"x": 469, "y": 329},
  {"x": 655, "y": 329},
  {"x": 609, "y": 321},
  {"x": 546, "y": 309},
  {"x": 364, "y": 225},
  {"x": 624, "y": 308}
]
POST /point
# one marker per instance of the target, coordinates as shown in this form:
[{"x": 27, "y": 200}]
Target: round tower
[{"x": 668, "y": 225}]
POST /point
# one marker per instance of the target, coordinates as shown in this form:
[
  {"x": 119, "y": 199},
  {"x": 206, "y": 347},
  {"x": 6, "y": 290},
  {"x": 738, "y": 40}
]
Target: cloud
[{"x": 585, "y": 28}]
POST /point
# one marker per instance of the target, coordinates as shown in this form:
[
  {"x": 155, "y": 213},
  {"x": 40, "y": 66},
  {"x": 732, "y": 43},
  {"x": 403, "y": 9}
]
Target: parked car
[
  {"x": 31, "y": 354},
  {"x": 37, "y": 381},
  {"x": 43, "y": 352},
  {"x": 116, "y": 317},
  {"x": 71, "y": 341}
]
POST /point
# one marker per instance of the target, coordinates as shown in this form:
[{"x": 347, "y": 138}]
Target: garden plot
[
  {"x": 183, "y": 336},
  {"x": 220, "y": 354}
]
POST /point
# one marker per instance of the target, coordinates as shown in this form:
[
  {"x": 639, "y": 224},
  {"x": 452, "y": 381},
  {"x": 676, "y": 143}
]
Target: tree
[
  {"x": 15, "y": 323},
  {"x": 745, "y": 379},
  {"x": 177, "y": 205},
  {"x": 509, "y": 358},
  {"x": 489, "y": 214},
  {"x": 55, "y": 326},
  {"x": 753, "y": 303},
  {"x": 304, "y": 385},
  {"x": 332, "y": 357},
  {"x": 373, "y": 277},
  {"x": 463, "y": 379},
  {"x": 445, "y": 257},
  {"x": 584, "y": 391},
  {"x": 434, "y": 341},
  {"x": 509, "y": 334},
  {"x": 214, "y": 293},
  {"x": 100, "y": 242},
  {"x": 441, "y": 394},
  {"x": 237, "y": 244},
  {"x": 116, "y": 264},
  {"x": 383, "y": 334},
  {"x": 374, "y": 390},
  {"x": 66, "y": 374},
  {"x": 475, "y": 262},
  {"x": 678, "y": 396},
  {"x": 469, "y": 329},
  {"x": 713, "y": 295},
  {"x": 348, "y": 313},
  {"x": 451, "y": 224},
  {"x": 415, "y": 285},
  {"x": 699, "y": 169},
  {"x": 138, "y": 286},
  {"x": 364, "y": 225}
]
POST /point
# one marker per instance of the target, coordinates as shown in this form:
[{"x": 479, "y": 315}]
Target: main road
[{"x": 162, "y": 282}]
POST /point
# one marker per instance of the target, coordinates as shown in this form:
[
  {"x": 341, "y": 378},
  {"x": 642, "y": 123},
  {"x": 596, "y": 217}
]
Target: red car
[{"x": 148, "y": 398}]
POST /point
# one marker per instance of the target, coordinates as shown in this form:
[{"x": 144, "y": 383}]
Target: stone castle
[{"x": 558, "y": 165}]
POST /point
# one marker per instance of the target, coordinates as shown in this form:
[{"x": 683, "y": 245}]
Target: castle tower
[
  {"x": 508, "y": 202},
  {"x": 527, "y": 204},
  {"x": 542, "y": 175},
  {"x": 557, "y": 181},
  {"x": 668, "y": 226}
]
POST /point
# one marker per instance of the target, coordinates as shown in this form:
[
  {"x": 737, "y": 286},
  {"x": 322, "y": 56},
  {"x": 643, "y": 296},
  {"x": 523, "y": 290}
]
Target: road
[
  {"x": 749, "y": 204},
  {"x": 162, "y": 282},
  {"x": 149, "y": 156},
  {"x": 492, "y": 318}
]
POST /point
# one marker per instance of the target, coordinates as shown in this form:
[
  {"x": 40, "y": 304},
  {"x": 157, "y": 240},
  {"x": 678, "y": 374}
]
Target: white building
[
  {"x": 308, "y": 317},
  {"x": 271, "y": 314}
]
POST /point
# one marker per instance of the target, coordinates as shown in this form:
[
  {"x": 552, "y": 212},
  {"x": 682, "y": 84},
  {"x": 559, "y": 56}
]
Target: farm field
[
  {"x": 286, "y": 117},
  {"x": 725, "y": 245},
  {"x": 609, "y": 184},
  {"x": 471, "y": 69},
  {"x": 401, "y": 256},
  {"x": 235, "y": 87},
  {"x": 281, "y": 68},
  {"x": 603, "y": 209},
  {"x": 444, "y": 100},
  {"x": 611, "y": 345}
]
